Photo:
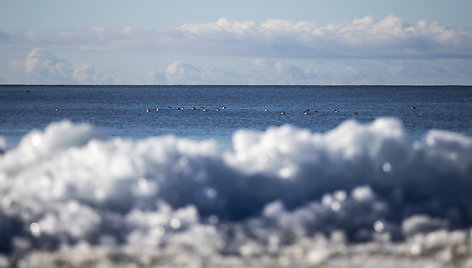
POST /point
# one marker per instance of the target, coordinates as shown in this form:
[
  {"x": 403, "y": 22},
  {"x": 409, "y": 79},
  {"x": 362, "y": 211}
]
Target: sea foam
[{"x": 281, "y": 197}]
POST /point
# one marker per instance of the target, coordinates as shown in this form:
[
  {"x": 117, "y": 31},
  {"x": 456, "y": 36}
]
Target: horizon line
[{"x": 238, "y": 85}]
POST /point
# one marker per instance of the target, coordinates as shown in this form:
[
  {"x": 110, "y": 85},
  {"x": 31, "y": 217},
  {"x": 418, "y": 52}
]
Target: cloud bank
[
  {"x": 390, "y": 37},
  {"x": 283, "y": 72},
  {"x": 257, "y": 71},
  {"x": 364, "y": 51},
  {"x": 43, "y": 67}
]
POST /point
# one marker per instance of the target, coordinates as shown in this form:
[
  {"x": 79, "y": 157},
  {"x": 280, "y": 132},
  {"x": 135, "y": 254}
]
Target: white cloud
[
  {"x": 324, "y": 71},
  {"x": 275, "y": 51},
  {"x": 43, "y": 67},
  {"x": 40, "y": 60},
  {"x": 85, "y": 74},
  {"x": 257, "y": 71},
  {"x": 390, "y": 37},
  {"x": 281, "y": 72},
  {"x": 155, "y": 77},
  {"x": 180, "y": 72}
]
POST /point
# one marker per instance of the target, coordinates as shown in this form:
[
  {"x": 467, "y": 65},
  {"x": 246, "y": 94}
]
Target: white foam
[{"x": 70, "y": 186}]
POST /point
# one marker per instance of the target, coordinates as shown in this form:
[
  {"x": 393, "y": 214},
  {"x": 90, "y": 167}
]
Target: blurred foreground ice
[{"x": 357, "y": 196}]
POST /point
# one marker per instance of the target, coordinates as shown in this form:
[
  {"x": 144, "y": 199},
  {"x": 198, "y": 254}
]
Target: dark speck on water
[{"x": 118, "y": 109}]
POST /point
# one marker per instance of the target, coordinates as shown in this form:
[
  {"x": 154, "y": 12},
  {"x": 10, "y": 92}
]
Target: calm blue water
[{"x": 121, "y": 110}]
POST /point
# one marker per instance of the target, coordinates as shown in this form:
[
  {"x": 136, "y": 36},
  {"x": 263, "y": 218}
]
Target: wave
[{"x": 71, "y": 191}]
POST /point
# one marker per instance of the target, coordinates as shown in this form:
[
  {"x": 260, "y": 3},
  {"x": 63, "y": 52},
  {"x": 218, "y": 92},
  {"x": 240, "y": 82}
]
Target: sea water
[
  {"x": 282, "y": 176},
  {"x": 121, "y": 110}
]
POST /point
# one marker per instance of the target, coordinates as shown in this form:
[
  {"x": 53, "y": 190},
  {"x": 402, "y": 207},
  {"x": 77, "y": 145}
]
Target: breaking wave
[{"x": 282, "y": 197}]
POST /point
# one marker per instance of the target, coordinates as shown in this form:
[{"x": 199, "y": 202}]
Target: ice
[{"x": 360, "y": 194}]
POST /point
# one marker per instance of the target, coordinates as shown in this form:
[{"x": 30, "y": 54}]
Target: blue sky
[{"x": 236, "y": 42}]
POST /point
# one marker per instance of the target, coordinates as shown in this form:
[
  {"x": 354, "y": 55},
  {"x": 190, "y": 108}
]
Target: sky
[{"x": 419, "y": 42}]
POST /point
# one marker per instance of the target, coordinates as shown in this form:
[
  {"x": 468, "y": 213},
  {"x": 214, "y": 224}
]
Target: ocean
[
  {"x": 121, "y": 110},
  {"x": 232, "y": 176}
]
